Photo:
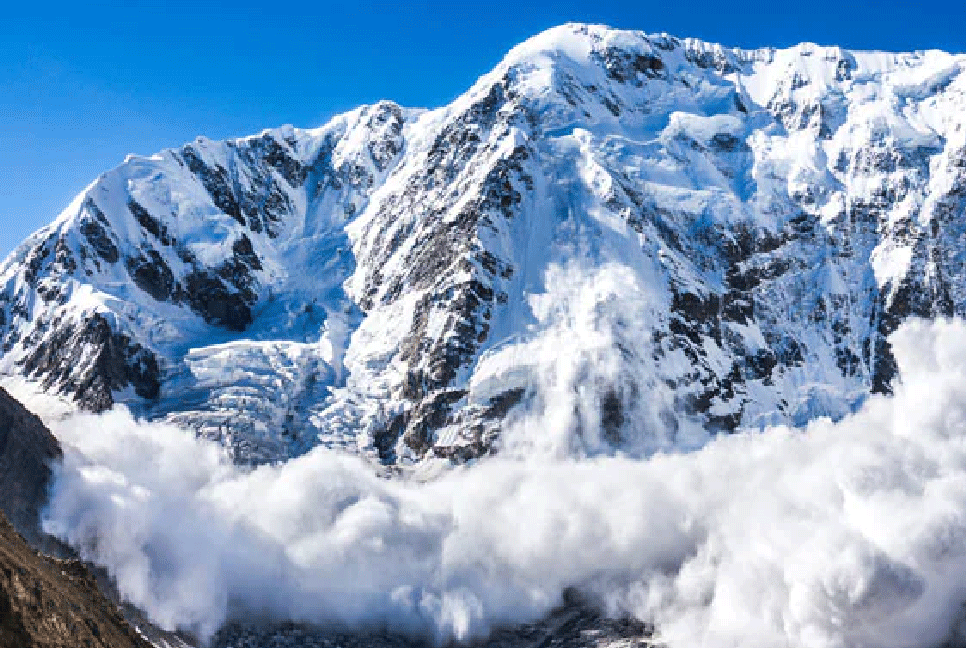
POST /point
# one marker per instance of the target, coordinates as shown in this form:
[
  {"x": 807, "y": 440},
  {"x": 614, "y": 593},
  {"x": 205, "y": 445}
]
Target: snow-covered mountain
[{"x": 684, "y": 238}]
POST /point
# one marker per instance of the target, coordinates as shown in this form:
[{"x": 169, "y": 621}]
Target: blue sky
[{"x": 82, "y": 85}]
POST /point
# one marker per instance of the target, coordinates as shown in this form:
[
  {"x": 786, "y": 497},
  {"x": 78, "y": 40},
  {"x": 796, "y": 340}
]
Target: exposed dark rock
[
  {"x": 576, "y": 623},
  {"x": 265, "y": 207},
  {"x": 711, "y": 60},
  {"x": 37, "y": 257},
  {"x": 237, "y": 271},
  {"x": 628, "y": 67},
  {"x": 93, "y": 362},
  {"x": 760, "y": 364},
  {"x": 728, "y": 143},
  {"x": 268, "y": 149},
  {"x": 27, "y": 452},
  {"x": 612, "y": 416},
  {"x": 500, "y": 406},
  {"x": 244, "y": 253},
  {"x": 261, "y": 203},
  {"x": 209, "y": 297},
  {"x": 94, "y": 228},
  {"x": 215, "y": 182},
  {"x": 386, "y": 118},
  {"x": 461, "y": 138},
  {"x": 384, "y": 439},
  {"x": 427, "y": 417},
  {"x": 206, "y": 292},
  {"x": 100, "y": 242},
  {"x": 152, "y": 275},
  {"x": 150, "y": 224}
]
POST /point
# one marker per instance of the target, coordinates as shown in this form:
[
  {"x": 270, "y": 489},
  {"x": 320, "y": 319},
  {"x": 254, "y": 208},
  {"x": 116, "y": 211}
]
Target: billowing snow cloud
[{"x": 841, "y": 534}]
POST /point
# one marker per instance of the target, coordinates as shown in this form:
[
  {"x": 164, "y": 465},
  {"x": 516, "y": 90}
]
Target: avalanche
[
  {"x": 699, "y": 303},
  {"x": 840, "y": 534}
]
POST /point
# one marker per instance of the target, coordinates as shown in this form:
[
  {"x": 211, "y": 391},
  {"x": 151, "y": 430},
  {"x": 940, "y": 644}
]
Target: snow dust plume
[
  {"x": 587, "y": 370},
  {"x": 842, "y": 534}
]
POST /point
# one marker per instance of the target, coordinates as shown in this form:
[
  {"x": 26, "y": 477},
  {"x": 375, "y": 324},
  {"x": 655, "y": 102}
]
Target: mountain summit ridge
[{"x": 721, "y": 238}]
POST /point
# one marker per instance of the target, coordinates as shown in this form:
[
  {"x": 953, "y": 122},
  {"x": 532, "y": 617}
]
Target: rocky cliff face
[
  {"x": 27, "y": 453},
  {"x": 744, "y": 228}
]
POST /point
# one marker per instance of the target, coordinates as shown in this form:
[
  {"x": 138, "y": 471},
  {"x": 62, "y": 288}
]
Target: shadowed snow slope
[{"x": 748, "y": 227}]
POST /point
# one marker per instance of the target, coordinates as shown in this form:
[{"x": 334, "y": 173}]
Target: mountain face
[{"x": 684, "y": 238}]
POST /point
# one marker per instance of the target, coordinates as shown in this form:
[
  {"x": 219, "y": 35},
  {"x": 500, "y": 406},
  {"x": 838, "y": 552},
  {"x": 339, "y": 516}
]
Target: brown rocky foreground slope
[{"x": 50, "y": 603}]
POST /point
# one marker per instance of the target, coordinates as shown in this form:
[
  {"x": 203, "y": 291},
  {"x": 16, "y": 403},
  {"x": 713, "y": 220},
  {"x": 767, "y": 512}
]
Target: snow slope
[{"x": 692, "y": 238}]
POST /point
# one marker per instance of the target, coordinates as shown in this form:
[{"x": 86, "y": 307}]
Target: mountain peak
[{"x": 382, "y": 283}]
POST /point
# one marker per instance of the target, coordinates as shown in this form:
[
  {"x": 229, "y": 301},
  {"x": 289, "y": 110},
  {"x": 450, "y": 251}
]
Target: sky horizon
[{"x": 81, "y": 87}]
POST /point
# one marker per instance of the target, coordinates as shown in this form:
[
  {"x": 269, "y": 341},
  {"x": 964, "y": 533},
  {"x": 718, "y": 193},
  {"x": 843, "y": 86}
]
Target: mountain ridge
[{"x": 390, "y": 283}]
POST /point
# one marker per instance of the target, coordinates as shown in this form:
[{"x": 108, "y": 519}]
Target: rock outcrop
[
  {"x": 27, "y": 453},
  {"x": 574, "y": 624}
]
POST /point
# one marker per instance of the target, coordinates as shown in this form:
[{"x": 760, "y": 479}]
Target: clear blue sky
[{"x": 84, "y": 84}]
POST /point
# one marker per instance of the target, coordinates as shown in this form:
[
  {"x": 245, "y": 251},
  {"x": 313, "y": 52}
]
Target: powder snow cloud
[{"x": 838, "y": 534}]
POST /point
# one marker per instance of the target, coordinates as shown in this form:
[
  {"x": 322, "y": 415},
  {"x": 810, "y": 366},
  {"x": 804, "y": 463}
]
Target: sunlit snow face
[{"x": 848, "y": 533}]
